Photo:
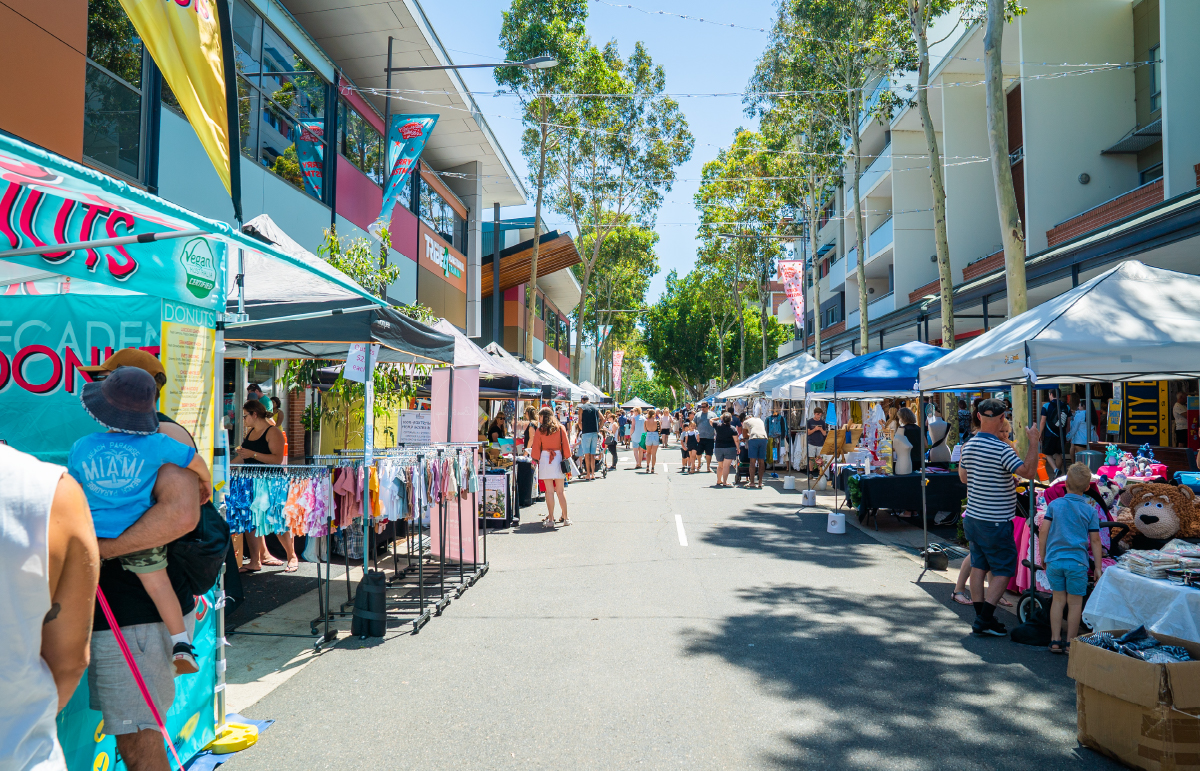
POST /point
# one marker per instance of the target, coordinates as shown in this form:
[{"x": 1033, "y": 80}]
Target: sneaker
[
  {"x": 183, "y": 656},
  {"x": 991, "y": 627}
]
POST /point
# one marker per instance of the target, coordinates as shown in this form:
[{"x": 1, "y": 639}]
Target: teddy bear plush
[{"x": 1157, "y": 513}]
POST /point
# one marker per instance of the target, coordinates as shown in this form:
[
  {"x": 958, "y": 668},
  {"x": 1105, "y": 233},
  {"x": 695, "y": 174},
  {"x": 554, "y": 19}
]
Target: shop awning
[
  {"x": 555, "y": 252},
  {"x": 1133, "y": 322}
]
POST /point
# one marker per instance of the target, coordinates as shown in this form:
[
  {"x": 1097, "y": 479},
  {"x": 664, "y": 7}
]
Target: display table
[
  {"x": 1156, "y": 470},
  {"x": 944, "y": 492},
  {"x": 1124, "y": 600}
]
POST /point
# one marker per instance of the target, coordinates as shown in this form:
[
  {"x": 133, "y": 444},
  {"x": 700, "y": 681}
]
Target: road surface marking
[
  {"x": 679, "y": 529},
  {"x": 666, "y": 469}
]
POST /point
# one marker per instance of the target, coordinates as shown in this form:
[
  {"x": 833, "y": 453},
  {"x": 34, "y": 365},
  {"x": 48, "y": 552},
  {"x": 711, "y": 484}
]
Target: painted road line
[{"x": 679, "y": 529}]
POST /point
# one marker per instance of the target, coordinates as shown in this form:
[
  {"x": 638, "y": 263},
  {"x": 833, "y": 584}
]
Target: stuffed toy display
[{"x": 1157, "y": 513}]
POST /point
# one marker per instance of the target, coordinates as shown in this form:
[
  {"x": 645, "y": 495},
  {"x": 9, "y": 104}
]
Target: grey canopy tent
[
  {"x": 527, "y": 373},
  {"x": 307, "y": 309}
]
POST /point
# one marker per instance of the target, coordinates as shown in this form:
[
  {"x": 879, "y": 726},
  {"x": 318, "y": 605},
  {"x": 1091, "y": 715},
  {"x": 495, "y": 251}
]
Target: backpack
[{"x": 199, "y": 555}]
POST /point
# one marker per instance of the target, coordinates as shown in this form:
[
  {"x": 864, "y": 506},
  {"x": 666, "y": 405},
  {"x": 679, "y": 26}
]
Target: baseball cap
[
  {"x": 992, "y": 408},
  {"x": 129, "y": 357}
]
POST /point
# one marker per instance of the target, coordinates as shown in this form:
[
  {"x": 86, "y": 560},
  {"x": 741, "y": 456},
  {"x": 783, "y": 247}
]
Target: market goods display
[{"x": 1138, "y": 644}]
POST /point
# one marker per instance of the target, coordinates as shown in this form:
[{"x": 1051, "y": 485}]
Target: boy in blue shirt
[
  {"x": 1070, "y": 525},
  {"x": 117, "y": 471}
]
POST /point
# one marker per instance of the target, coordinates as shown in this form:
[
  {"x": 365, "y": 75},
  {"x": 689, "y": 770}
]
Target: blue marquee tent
[{"x": 890, "y": 372}]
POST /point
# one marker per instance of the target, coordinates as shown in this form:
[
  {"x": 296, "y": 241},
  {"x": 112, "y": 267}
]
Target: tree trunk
[
  {"x": 583, "y": 290},
  {"x": 918, "y": 15},
  {"x": 1006, "y": 197},
  {"x": 741, "y": 320},
  {"x": 764, "y": 303},
  {"x": 531, "y": 307},
  {"x": 859, "y": 225},
  {"x": 813, "y": 223}
]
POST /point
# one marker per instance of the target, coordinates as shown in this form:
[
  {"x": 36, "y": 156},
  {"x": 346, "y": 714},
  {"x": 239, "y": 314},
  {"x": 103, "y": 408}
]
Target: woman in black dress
[{"x": 262, "y": 445}]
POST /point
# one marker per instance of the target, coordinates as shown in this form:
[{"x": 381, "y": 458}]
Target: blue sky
[{"x": 698, "y": 58}]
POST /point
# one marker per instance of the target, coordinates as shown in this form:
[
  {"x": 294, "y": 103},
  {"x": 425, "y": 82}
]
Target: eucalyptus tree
[
  {"x": 622, "y": 158},
  {"x": 530, "y": 29}
]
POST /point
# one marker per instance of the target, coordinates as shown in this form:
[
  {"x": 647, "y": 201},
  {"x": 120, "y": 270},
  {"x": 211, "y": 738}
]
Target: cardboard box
[{"x": 1143, "y": 715}]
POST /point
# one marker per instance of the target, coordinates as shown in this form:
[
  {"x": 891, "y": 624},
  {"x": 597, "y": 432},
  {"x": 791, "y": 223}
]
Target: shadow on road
[
  {"x": 775, "y": 529},
  {"x": 894, "y": 682}
]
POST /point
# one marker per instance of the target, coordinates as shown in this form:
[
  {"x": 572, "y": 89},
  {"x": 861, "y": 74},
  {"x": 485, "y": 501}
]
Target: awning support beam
[{"x": 140, "y": 238}]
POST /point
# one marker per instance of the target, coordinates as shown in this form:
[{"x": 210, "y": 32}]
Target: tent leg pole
[{"x": 924, "y": 509}]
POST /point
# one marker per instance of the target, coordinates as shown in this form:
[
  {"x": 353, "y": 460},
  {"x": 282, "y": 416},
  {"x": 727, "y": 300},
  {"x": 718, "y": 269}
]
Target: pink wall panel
[
  {"x": 404, "y": 232},
  {"x": 358, "y": 198}
]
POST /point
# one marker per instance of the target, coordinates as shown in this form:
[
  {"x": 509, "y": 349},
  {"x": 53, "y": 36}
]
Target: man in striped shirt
[{"x": 987, "y": 468}]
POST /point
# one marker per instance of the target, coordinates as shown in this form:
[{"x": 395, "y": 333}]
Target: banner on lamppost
[
  {"x": 791, "y": 274},
  {"x": 618, "y": 357},
  {"x": 405, "y": 140}
]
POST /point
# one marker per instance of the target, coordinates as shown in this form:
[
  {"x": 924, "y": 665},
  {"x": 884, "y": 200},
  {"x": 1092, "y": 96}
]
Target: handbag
[
  {"x": 564, "y": 464},
  {"x": 198, "y": 556},
  {"x": 642, "y": 441}
]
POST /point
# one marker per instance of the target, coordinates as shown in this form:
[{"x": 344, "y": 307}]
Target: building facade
[
  {"x": 1104, "y": 159},
  {"x": 82, "y": 85}
]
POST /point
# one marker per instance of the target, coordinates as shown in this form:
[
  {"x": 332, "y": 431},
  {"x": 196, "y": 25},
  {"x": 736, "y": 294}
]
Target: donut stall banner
[{"x": 43, "y": 342}]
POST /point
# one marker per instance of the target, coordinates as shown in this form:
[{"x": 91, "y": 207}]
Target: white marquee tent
[
  {"x": 796, "y": 389},
  {"x": 1133, "y": 322},
  {"x": 776, "y": 374}
]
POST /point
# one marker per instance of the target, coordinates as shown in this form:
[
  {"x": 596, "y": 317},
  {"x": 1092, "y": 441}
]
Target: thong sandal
[
  {"x": 273, "y": 562},
  {"x": 1058, "y": 646},
  {"x": 961, "y": 598},
  {"x": 1005, "y": 603}
]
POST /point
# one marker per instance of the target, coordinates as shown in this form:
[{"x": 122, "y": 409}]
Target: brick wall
[
  {"x": 933, "y": 287},
  {"x": 1196, "y": 169},
  {"x": 1110, "y": 211},
  {"x": 984, "y": 266},
  {"x": 295, "y": 426}
]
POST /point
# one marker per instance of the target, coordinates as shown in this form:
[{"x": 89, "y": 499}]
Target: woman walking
[
  {"x": 651, "y": 427},
  {"x": 664, "y": 428},
  {"x": 725, "y": 448},
  {"x": 639, "y": 428},
  {"x": 550, "y": 448}
]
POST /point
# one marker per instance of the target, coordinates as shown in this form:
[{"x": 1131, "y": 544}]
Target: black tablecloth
[{"x": 944, "y": 492}]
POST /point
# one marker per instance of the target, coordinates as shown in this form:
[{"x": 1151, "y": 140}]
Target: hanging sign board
[
  {"x": 415, "y": 426},
  {"x": 356, "y": 362},
  {"x": 1146, "y": 411},
  {"x": 495, "y": 496},
  {"x": 189, "y": 343}
]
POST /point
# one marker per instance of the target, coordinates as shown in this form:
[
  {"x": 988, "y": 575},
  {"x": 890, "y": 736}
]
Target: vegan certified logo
[{"x": 200, "y": 267}]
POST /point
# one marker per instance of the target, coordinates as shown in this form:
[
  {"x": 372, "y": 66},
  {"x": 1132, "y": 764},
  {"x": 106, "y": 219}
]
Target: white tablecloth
[{"x": 1124, "y": 600}]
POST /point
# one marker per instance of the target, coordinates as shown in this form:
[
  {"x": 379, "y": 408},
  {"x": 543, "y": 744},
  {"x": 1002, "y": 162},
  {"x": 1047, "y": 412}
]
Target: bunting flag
[
  {"x": 310, "y": 150},
  {"x": 184, "y": 38},
  {"x": 791, "y": 273},
  {"x": 618, "y": 357},
  {"x": 406, "y": 138}
]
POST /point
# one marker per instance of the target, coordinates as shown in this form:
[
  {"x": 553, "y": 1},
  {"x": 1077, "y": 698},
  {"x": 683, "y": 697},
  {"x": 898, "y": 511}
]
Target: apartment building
[
  {"x": 79, "y": 83},
  {"x": 1106, "y": 162}
]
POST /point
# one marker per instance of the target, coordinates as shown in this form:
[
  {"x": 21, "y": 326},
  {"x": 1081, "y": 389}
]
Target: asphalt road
[{"x": 763, "y": 643}]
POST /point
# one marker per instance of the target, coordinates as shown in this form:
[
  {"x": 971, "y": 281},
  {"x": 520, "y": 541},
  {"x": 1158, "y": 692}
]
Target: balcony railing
[
  {"x": 879, "y": 167},
  {"x": 876, "y": 308},
  {"x": 837, "y": 272},
  {"x": 881, "y": 237}
]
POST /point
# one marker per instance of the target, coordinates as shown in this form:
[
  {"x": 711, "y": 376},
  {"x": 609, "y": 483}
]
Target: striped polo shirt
[{"x": 991, "y": 489}]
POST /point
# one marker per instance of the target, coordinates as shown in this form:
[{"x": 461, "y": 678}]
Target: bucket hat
[{"x": 124, "y": 401}]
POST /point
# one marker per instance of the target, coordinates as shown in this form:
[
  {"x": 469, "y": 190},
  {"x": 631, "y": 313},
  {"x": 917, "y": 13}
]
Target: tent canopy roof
[
  {"x": 892, "y": 371},
  {"x": 1133, "y": 322},
  {"x": 776, "y": 374},
  {"x": 467, "y": 354},
  {"x": 636, "y": 402},
  {"x": 527, "y": 373},
  {"x": 796, "y": 388},
  {"x": 573, "y": 392}
]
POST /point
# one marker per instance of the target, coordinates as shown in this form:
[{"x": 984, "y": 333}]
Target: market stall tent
[
  {"x": 776, "y": 374},
  {"x": 796, "y": 389},
  {"x": 635, "y": 402},
  {"x": 1133, "y": 322},
  {"x": 890, "y": 372},
  {"x": 559, "y": 379},
  {"x": 528, "y": 373}
]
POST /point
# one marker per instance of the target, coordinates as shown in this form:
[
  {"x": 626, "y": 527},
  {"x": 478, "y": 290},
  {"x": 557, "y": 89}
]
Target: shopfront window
[
  {"x": 361, "y": 144},
  {"x": 564, "y": 337},
  {"x": 439, "y": 215},
  {"x": 113, "y": 119},
  {"x": 281, "y": 103}
]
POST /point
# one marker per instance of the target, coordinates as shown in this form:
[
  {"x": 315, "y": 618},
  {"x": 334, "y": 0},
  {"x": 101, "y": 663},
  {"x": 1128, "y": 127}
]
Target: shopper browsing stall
[
  {"x": 706, "y": 434},
  {"x": 987, "y": 467},
  {"x": 816, "y": 430}
]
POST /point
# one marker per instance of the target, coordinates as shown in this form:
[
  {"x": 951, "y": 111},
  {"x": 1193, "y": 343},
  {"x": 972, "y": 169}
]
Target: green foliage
[
  {"x": 112, "y": 41},
  {"x": 358, "y": 260},
  {"x": 288, "y": 167},
  {"x": 677, "y": 335}
]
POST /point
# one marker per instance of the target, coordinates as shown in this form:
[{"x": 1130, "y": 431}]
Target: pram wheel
[{"x": 1031, "y": 605}]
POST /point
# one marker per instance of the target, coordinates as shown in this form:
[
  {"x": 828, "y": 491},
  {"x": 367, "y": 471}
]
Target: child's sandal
[{"x": 1057, "y": 646}]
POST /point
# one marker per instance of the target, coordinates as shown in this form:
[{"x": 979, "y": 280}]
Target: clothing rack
[{"x": 420, "y": 545}]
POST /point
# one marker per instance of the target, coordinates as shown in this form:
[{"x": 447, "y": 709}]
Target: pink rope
[{"x": 137, "y": 674}]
